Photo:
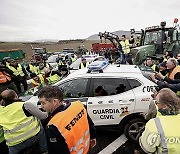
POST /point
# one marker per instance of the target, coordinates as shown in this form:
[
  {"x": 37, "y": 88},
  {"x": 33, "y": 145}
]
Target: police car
[{"x": 116, "y": 95}]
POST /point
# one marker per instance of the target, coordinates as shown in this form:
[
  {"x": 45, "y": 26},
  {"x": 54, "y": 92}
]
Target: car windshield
[
  {"x": 152, "y": 37},
  {"x": 52, "y": 59}
]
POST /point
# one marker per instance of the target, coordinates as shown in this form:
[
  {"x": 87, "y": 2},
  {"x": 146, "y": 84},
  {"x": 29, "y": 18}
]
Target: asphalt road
[{"x": 111, "y": 141}]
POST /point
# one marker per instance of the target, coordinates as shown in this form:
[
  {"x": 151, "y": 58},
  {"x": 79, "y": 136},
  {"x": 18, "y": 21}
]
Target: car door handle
[
  {"x": 132, "y": 100},
  {"x": 123, "y": 102},
  {"x": 89, "y": 102}
]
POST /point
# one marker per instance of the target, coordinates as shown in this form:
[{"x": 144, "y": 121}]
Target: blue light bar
[{"x": 97, "y": 66}]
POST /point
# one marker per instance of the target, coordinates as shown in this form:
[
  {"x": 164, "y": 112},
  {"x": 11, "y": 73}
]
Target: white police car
[{"x": 116, "y": 96}]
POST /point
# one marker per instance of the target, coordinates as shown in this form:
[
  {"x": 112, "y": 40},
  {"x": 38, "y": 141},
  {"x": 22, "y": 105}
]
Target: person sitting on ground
[{"x": 21, "y": 127}]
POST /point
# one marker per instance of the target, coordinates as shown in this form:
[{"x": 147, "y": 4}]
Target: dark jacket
[
  {"x": 52, "y": 132},
  {"x": 174, "y": 85}
]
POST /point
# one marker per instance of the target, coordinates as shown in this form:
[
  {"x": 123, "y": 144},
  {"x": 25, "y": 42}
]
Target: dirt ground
[{"x": 50, "y": 46}]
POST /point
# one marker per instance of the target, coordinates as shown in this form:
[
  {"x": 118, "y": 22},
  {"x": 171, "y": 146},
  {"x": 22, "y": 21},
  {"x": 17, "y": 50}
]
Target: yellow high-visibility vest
[
  {"x": 161, "y": 134},
  {"x": 125, "y": 46},
  {"x": 53, "y": 79},
  {"x": 17, "y": 71},
  {"x": 41, "y": 79},
  {"x": 1, "y": 129},
  {"x": 82, "y": 65},
  {"x": 16, "y": 125}
]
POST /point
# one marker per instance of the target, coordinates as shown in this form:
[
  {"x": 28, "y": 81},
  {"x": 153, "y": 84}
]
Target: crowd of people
[
  {"x": 24, "y": 125},
  {"x": 34, "y": 75},
  {"x": 54, "y": 128}
]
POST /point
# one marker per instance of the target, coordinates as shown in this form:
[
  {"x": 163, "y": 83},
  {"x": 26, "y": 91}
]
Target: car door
[{"x": 115, "y": 101}]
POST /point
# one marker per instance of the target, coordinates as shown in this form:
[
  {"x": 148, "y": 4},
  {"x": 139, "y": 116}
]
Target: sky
[{"x": 30, "y": 20}]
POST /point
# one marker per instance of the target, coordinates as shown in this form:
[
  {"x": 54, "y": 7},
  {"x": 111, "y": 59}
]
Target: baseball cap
[{"x": 163, "y": 64}]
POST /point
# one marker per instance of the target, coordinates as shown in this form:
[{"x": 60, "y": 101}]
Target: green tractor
[{"x": 155, "y": 41}]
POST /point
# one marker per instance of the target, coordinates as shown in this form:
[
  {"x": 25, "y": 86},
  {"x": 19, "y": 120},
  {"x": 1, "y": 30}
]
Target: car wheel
[{"x": 134, "y": 128}]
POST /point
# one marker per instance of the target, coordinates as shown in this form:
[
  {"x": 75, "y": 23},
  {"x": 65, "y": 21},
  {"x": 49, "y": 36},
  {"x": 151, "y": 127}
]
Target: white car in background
[
  {"x": 52, "y": 61},
  {"x": 89, "y": 58},
  {"x": 126, "y": 95}
]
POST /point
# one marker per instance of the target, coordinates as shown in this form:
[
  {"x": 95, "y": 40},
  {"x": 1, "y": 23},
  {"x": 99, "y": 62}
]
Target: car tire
[{"x": 134, "y": 128}]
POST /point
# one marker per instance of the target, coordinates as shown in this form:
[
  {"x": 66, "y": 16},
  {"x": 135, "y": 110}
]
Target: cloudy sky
[{"x": 29, "y": 20}]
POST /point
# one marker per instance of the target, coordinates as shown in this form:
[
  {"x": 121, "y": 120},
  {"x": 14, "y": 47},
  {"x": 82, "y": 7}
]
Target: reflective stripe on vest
[
  {"x": 75, "y": 148},
  {"x": 41, "y": 80},
  {"x": 47, "y": 65},
  {"x": 60, "y": 63},
  {"x": 36, "y": 70},
  {"x": 16, "y": 125},
  {"x": 175, "y": 70},
  {"x": 163, "y": 139},
  {"x": 125, "y": 46},
  {"x": 4, "y": 77},
  {"x": 73, "y": 59},
  {"x": 1, "y": 135},
  {"x": 74, "y": 127},
  {"x": 17, "y": 71},
  {"x": 153, "y": 67},
  {"x": 31, "y": 68},
  {"x": 35, "y": 83}
]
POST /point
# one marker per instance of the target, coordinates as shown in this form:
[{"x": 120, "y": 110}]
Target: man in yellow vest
[
  {"x": 20, "y": 75},
  {"x": 21, "y": 128},
  {"x": 149, "y": 63},
  {"x": 32, "y": 68},
  {"x": 69, "y": 128},
  {"x": 174, "y": 69},
  {"x": 52, "y": 76},
  {"x": 162, "y": 134},
  {"x": 83, "y": 63},
  {"x": 38, "y": 80},
  {"x": 3, "y": 146},
  {"x": 125, "y": 49}
]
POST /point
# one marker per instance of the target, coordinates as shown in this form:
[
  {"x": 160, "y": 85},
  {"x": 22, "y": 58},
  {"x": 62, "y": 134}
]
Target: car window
[
  {"x": 75, "y": 88},
  {"x": 134, "y": 83},
  {"x": 109, "y": 86}
]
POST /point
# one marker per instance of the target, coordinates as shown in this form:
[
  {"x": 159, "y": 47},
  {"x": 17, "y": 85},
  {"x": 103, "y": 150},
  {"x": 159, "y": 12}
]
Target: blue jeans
[
  {"x": 39, "y": 138},
  {"x": 123, "y": 58}
]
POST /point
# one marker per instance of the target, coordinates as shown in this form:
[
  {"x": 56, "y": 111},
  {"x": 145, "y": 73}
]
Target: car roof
[{"x": 110, "y": 70}]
